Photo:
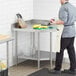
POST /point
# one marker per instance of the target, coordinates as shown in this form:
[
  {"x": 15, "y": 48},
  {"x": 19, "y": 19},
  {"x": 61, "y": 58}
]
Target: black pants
[{"x": 66, "y": 43}]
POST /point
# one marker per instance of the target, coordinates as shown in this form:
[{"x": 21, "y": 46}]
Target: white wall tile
[
  {"x": 9, "y": 9},
  {"x": 46, "y": 9}
]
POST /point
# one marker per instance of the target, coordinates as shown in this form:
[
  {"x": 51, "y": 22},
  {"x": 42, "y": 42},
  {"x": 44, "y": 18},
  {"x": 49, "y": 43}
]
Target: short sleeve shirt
[{"x": 67, "y": 13}]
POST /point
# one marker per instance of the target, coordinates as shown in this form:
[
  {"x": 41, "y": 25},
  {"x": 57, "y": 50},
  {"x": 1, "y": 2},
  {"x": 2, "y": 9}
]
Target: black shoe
[
  {"x": 69, "y": 71},
  {"x": 53, "y": 71}
]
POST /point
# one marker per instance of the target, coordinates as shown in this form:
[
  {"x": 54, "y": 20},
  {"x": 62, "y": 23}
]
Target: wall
[
  {"x": 8, "y": 11},
  {"x": 46, "y": 9}
]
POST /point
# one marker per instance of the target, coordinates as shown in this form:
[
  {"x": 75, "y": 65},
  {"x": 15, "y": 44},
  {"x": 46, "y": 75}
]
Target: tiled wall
[{"x": 8, "y": 11}]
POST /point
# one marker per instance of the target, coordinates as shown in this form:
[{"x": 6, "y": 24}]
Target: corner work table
[{"x": 37, "y": 56}]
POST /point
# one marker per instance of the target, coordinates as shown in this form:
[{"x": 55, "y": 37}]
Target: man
[{"x": 67, "y": 17}]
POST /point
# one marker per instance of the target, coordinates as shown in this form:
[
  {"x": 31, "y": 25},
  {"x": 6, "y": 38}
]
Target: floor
[{"x": 28, "y": 67}]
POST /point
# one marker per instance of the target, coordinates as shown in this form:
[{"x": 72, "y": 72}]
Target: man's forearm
[{"x": 59, "y": 22}]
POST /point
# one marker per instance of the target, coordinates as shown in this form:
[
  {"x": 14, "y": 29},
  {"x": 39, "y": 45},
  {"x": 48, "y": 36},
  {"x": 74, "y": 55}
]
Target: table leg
[
  {"x": 38, "y": 50},
  {"x": 50, "y": 50},
  {"x": 33, "y": 51},
  {"x": 31, "y": 44},
  {"x": 12, "y": 49},
  {"x": 16, "y": 48},
  {"x": 7, "y": 44}
]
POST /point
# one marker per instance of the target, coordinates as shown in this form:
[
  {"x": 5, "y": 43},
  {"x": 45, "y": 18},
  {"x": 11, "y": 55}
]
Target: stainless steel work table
[
  {"x": 31, "y": 30},
  {"x": 6, "y": 39}
]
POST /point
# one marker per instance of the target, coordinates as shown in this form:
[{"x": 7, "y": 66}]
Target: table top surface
[
  {"x": 31, "y": 23},
  {"x": 30, "y": 29},
  {"x": 5, "y": 38},
  {"x": 34, "y": 30}
]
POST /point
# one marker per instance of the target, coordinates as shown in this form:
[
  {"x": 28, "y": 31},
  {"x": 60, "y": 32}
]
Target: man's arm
[
  {"x": 58, "y": 22},
  {"x": 63, "y": 17}
]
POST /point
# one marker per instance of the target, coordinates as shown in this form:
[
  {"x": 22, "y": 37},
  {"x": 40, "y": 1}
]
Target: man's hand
[
  {"x": 53, "y": 21},
  {"x": 56, "y": 22}
]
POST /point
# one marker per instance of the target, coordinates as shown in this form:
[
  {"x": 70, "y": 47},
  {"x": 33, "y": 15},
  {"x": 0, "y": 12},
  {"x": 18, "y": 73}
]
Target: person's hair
[{"x": 66, "y": 0}]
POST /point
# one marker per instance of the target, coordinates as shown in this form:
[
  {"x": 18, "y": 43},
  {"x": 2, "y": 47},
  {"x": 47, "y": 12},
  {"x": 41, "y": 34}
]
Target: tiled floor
[{"x": 27, "y": 67}]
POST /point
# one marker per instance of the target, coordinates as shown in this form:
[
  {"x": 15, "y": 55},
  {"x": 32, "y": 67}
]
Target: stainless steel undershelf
[{"x": 44, "y": 55}]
